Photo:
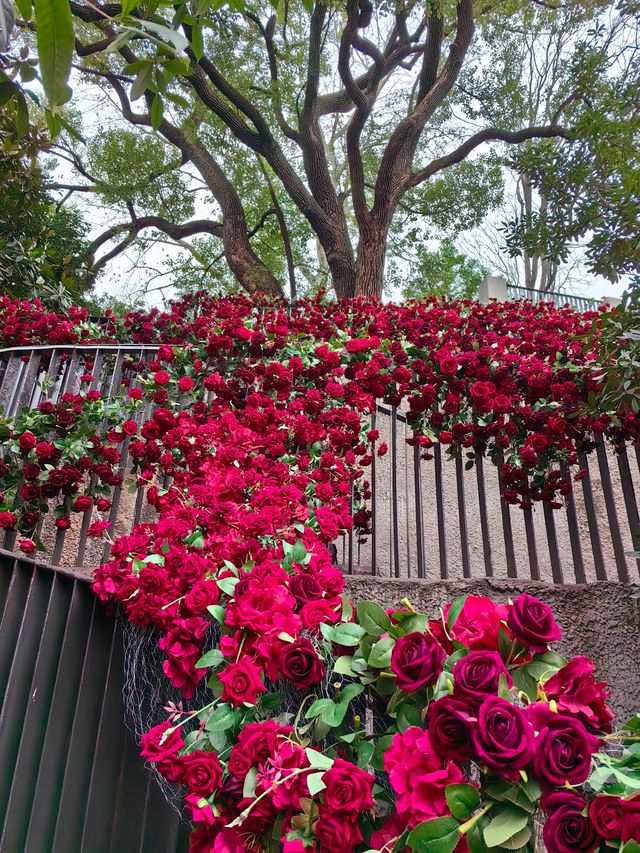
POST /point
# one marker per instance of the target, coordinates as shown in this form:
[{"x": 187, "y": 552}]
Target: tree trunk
[{"x": 371, "y": 257}]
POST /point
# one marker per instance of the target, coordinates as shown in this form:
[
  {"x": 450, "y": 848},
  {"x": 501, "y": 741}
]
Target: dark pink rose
[
  {"x": 161, "y": 743},
  {"x": 202, "y": 772},
  {"x": 631, "y": 819},
  {"x": 348, "y": 788},
  {"x": 563, "y": 747},
  {"x": 335, "y": 834},
  {"x": 566, "y": 830},
  {"x": 477, "y": 675},
  {"x": 450, "y": 722},
  {"x": 607, "y": 813},
  {"x": 241, "y": 682},
  {"x": 503, "y": 738},
  {"x": 416, "y": 660},
  {"x": 299, "y": 662},
  {"x": 531, "y": 621}
]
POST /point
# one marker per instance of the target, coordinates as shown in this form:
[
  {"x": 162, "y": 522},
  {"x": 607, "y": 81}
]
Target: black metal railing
[
  {"x": 72, "y": 778},
  {"x": 432, "y": 519}
]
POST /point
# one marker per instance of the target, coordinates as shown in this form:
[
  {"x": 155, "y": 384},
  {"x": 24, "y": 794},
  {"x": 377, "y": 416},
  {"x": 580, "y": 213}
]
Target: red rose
[
  {"x": 450, "y": 723},
  {"x": 185, "y": 383},
  {"x": 503, "y": 738},
  {"x": 306, "y": 588},
  {"x": 531, "y": 621},
  {"x": 565, "y": 829},
  {"x": 348, "y": 788},
  {"x": 478, "y": 624},
  {"x": 7, "y": 520},
  {"x": 299, "y": 662},
  {"x": 130, "y": 427},
  {"x": 161, "y": 742},
  {"x": 416, "y": 660},
  {"x": 477, "y": 676},
  {"x": 27, "y": 441},
  {"x": 27, "y": 546},
  {"x": 448, "y": 365},
  {"x": 563, "y": 747},
  {"x": 607, "y": 813},
  {"x": 576, "y": 691},
  {"x": 241, "y": 682},
  {"x": 44, "y": 449},
  {"x": 202, "y": 772},
  {"x": 337, "y": 835},
  {"x": 631, "y": 819},
  {"x": 82, "y": 503}
]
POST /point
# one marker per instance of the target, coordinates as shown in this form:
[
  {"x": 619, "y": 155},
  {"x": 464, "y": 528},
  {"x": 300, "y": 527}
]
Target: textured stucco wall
[{"x": 599, "y": 620}]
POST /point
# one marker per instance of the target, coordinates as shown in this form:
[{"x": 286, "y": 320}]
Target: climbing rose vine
[{"x": 510, "y": 381}]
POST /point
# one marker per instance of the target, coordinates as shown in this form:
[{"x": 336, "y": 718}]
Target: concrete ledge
[{"x": 600, "y": 620}]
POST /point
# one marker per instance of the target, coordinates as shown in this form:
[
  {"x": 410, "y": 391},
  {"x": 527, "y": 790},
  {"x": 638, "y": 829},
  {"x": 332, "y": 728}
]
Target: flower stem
[{"x": 465, "y": 827}]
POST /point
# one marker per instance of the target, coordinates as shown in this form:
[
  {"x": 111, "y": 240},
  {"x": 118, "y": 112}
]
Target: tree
[
  {"x": 578, "y": 65},
  {"x": 238, "y": 70},
  {"x": 444, "y": 272},
  {"x": 41, "y": 246}
]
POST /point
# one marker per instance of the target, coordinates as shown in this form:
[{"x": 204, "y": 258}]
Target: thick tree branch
[{"x": 490, "y": 134}]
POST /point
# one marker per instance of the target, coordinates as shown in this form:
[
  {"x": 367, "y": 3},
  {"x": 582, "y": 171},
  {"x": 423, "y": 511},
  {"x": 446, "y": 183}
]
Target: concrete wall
[{"x": 600, "y": 620}]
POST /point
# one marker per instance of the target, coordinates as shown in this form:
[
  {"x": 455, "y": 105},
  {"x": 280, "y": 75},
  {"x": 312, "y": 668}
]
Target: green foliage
[
  {"x": 41, "y": 247},
  {"x": 444, "y": 272}
]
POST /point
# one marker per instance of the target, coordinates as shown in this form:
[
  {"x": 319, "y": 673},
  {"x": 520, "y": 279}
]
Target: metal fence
[
  {"x": 580, "y": 303},
  {"x": 72, "y": 779},
  {"x": 431, "y": 519}
]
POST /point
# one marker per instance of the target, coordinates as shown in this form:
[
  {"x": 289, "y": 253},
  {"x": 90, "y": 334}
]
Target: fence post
[{"x": 493, "y": 287}]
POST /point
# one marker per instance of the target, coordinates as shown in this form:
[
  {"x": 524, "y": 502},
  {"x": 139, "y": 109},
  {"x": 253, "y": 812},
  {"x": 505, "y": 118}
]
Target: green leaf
[
  {"x": 380, "y": 656},
  {"x": 221, "y": 719},
  {"x": 365, "y": 752},
  {"x": 227, "y": 585},
  {"x": 298, "y": 552},
  {"x": 217, "y": 611},
  {"x": 435, "y": 836},
  {"x": 249, "y": 787},
  {"x": 157, "y": 111},
  {"x": 518, "y": 841},
  {"x": 504, "y": 826},
  {"x": 54, "y": 35},
  {"x": 373, "y": 618},
  {"x": 317, "y": 760},
  {"x": 210, "y": 659},
  {"x": 455, "y": 610},
  {"x": 315, "y": 783},
  {"x": 462, "y": 800},
  {"x": 197, "y": 40},
  {"x": 525, "y": 682},
  {"x": 346, "y": 634},
  {"x": 630, "y": 846},
  {"x": 342, "y": 666}
]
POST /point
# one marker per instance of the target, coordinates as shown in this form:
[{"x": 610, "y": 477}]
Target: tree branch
[{"x": 488, "y": 135}]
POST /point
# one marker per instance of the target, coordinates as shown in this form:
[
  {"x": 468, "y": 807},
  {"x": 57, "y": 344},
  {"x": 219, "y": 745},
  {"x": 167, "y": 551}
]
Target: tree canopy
[{"x": 318, "y": 144}]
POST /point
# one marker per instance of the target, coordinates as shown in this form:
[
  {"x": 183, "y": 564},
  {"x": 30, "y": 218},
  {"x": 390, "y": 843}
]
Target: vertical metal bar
[
  {"x": 630, "y": 502},
  {"x": 507, "y": 531},
  {"x": 574, "y": 532},
  {"x": 15, "y": 372},
  {"x": 552, "y": 540},
  {"x": 484, "y": 521},
  {"x": 407, "y": 526},
  {"x": 442, "y": 533},
  {"x": 417, "y": 484},
  {"x": 350, "y": 533},
  {"x": 374, "y": 561},
  {"x": 612, "y": 516},
  {"x": 592, "y": 519},
  {"x": 462, "y": 519},
  {"x": 394, "y": 492},
  {"x": 531, "y": 543}
]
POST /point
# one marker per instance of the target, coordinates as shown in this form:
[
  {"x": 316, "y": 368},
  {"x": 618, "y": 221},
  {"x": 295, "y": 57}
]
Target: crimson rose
[
  {"x": 566, "y": 830},
  {"x": 563, "y": 747},
  {"x": 503, "y": 738},
  {"x": 348, "y": 788},
  {"x": 241, "y": 682},
  {"x": 299, "y": 662},
  {"x": 335, "y": 834},
  {"x": 531, "y": 621},
  {"x": 607, "y": 813},
  {"x": 477, "y": 676},
  {"x": 416, "y": 660},
  {"x": 450, "y": 723},
  {"x": 202, "y": 772}
]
